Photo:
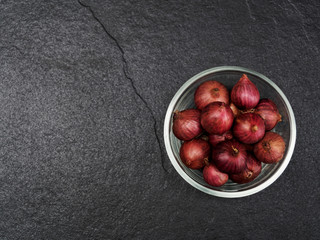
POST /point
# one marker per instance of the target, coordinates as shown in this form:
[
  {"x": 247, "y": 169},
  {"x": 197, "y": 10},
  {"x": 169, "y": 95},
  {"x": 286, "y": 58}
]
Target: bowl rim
[{"x": 213, "y": 192}]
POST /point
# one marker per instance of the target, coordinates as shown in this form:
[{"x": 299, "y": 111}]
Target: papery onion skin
[
  {"x": 213, "y": 176},
  {"x": 270, "y": 149},
  {"x": 204, "y": 137},
  {"x": 186, "y": 124},
  {"x": 217, "y": 118},
  {"x": 234, "y": 109},
  {"x": 209, "y": 92},
  {"x": 269, "y": 112},
  {"x": 252, "y": 170},
  {"x": 195, "y": 153},
  {"x": 244, "y": 94},
  {"x": 230, "y": 156},
  {"x": 249, "y": 128},
  {"x": 215, "y": 139},
  {"x": 247, "y": 111}
]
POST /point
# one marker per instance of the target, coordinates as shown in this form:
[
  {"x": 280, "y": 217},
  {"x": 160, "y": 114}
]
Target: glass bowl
[{"x": 229, "y": 75}]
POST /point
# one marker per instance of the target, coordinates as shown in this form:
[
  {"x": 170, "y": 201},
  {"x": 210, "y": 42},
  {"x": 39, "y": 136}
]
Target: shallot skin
[
  {"x": 249, "y": 128},
  {"x": 213, "y": 176},
  {"x": 215, "y": 139},
  {"x": 252, "y": 170},
  {"x": 244, "y": 94},
  {"x": 234, "y": 109},
  {"x": 217, "y": 118},
  {"x": 209, "y": 92},
  {"x": 186, "y": 124},
  {"x": 230, "y": 156},
  {"x": 195, "y": 153},
  {"x": 270, "y": 149},
  {"x": 269, "y": 112}
]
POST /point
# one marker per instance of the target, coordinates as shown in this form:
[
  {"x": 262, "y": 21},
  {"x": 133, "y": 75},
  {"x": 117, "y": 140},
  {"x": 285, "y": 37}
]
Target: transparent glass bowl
[{"x": 229, "y": 75}]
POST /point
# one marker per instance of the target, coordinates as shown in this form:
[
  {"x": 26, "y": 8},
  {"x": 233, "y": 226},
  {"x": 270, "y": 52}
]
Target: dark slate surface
[{"x": 84, "y": 90}]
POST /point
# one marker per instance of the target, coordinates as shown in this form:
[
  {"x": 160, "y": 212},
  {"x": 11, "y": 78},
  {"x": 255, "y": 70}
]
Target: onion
[
  {"x": 195, "y": 153},
  {"x": 269, "y": 112},
  {"x": 230, "y": 156},
  {"x": 234, "y": 109},
  {"x": 186, "y": 124},
  {"x": 217, "y": 118},
  {"x": 252, "y": 170},
  {"x": 270, "y": 149},
  {"x": 215, "y": 139},
  {"x": 244, "y": 94},
  {"x": 210, "y": 91},
  {"x": 213, "y": 176},
  {"x": 249, "y": 128}
]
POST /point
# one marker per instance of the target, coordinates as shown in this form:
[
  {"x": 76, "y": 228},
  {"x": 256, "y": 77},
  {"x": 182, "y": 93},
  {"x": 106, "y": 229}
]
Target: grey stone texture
[{"x": 84, "y": 88}]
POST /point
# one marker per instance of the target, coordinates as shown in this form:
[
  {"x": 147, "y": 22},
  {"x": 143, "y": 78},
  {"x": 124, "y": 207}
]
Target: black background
[{"x": 83, "y": 94}]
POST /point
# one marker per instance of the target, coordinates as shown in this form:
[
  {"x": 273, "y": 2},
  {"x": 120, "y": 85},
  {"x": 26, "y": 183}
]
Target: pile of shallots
[{"x": 229, "y": 137}]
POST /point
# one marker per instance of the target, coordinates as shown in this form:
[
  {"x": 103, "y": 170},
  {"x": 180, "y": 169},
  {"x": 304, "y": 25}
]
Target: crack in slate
[
  {"x": 249, "y": 9},
  {"x": 302, "y": 23},
  {"x": 125, "y": 71}
]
